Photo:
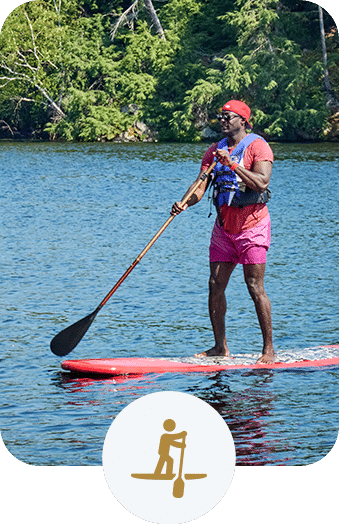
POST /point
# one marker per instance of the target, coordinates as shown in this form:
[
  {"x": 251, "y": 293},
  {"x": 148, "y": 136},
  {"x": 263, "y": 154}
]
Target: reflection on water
[
  {"x": 75, "y": 216},
  {"x": 245, "y": 413},
  {"x": 250, "y": 402}
]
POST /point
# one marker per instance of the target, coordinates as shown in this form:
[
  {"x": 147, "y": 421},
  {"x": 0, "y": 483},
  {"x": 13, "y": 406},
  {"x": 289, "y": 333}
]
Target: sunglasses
[{"x": 226, "y": 117}]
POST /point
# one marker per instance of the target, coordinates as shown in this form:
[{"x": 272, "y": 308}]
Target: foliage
[{"x": 62, "y": 76}]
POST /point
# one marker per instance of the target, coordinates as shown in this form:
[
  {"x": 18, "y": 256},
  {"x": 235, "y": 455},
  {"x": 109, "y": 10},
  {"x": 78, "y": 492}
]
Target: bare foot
[
  {"x": 214, "y": 352},
  {"x": 268, "y": 357}
]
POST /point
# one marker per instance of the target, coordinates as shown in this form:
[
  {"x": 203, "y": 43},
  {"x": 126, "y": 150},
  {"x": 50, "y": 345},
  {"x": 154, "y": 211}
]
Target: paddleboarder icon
[{"x": 167, "y": 440}]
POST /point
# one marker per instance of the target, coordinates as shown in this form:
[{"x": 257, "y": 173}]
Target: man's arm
[
  {"x": 257, "y": 179},
  {"x": 206, "y": 162},
  {"x": 195, "y": 198},
  {"x": 178, "y": 436}
]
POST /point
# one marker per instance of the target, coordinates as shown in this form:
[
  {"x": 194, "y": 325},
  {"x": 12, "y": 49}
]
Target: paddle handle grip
[{"x": 193, "y": 189}]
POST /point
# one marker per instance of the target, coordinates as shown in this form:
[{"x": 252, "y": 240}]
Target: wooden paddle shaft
[
  {"x": 182, "y": 457},
  {"x": 194, "y": 187}
]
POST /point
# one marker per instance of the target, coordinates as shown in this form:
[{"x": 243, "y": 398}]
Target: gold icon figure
[{"x": 177, "y": 440}]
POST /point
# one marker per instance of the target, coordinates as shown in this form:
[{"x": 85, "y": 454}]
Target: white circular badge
[{"x": 169, "y": 457}]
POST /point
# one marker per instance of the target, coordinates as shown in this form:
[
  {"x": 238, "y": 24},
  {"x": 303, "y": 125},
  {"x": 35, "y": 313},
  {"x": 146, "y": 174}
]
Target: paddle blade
[
  {"x": 178, "y": 488},
  {"x": 65, "y": 341}
]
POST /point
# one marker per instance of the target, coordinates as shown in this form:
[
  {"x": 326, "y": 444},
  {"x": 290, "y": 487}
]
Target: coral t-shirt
[{"x": 236, "y": 219}]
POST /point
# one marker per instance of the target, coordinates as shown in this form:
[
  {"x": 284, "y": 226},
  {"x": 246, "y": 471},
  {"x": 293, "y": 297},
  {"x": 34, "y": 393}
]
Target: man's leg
[
  {"x": 219, "y": 278},
  {"x": 169, "y": 466},
  {"x": 254, "y": 278}
]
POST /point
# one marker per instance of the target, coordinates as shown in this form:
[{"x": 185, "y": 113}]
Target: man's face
[{"x": 229, "y": 121}]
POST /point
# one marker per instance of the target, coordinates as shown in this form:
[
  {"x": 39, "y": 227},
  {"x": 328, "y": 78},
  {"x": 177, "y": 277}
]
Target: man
[
  {"x": 166, "y": 441},
  {"x": 241, "y": 233}
]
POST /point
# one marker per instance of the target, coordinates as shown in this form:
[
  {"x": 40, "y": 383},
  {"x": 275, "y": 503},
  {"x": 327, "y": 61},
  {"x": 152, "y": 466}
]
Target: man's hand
[
  {"x": 223, "y": 157},
  {"x": 177, "y": 208}
]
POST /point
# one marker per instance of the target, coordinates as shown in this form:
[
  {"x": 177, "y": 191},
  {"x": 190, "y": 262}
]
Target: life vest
[{"x": 228, "y": 188}]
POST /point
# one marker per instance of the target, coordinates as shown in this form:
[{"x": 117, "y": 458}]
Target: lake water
[{"x": 75, "y": 216}]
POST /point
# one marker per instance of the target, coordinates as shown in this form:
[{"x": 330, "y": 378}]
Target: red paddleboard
[{"x": 140, "y": 366}]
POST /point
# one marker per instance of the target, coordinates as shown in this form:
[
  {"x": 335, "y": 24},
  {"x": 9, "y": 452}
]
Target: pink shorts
[{"x": 247, "y": 247}]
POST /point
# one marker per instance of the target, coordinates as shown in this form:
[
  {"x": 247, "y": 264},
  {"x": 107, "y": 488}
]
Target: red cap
[{"x": 240, "y": 108}]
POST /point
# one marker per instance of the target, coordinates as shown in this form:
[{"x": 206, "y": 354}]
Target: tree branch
[
  {"x": 131, "y": 14},
  {"x": 33, "y": 38},
  {"x": 127, "y": 17},
  {"x": 33, "y": 82},
  {"x": 7, "y": 126},
  {"x": 153, "y": 14},
  {"x": 57, "y": 9},
  {"x": 19, "y": 61}
]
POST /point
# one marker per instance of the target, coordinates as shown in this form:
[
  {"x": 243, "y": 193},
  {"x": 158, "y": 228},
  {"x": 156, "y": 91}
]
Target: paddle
[
  {"x": 179, "y": 484},
  {"x": 65, "y": 341}
]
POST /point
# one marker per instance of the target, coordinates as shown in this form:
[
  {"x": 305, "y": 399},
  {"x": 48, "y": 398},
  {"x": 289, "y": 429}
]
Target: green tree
[
  {"x": 90, "y": 83},
  {"x": 29, "y": 46},
  {"x": 182, "y": 70},
  {"x": 267, "y": 71},
  {"x": 171, "y": 67}
]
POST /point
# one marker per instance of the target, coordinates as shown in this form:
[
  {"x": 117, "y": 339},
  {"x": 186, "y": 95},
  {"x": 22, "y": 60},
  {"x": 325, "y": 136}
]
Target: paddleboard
[
  {"x": 163, "y": 476},
  {"x": 308, "y": 358}
]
